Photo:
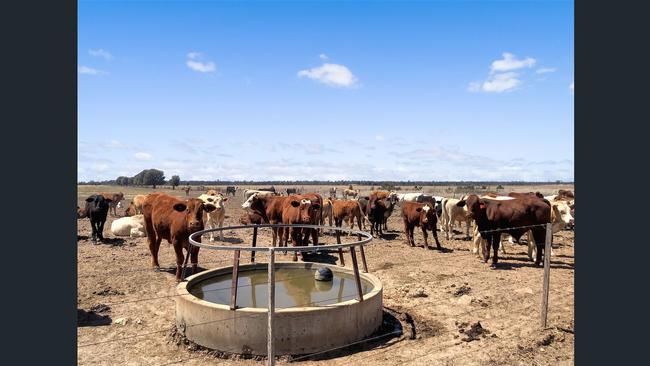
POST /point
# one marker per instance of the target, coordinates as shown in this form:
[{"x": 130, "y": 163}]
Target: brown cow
[
  {"x": 317, "y": 217},
  {"x": 135, "y": 207},
  {"x": 115, "y": 199},
  {"x": 514, "y": 217},
  {"x": 299, "y": 209},
  {"x": 269, "y": 208},
  {"x": 375, "y": 211},
  {"x": 342, "y": 209},
  {"x": 168, "y": 217},
  {"x": 251, "y": 218},
  {"x": 422, "y": 215},
  {"x": 187, "y": 190}
]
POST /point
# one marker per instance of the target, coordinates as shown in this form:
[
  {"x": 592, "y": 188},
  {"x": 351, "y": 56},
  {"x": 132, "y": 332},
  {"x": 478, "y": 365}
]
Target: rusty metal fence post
[{"x": 547, "y": 272}]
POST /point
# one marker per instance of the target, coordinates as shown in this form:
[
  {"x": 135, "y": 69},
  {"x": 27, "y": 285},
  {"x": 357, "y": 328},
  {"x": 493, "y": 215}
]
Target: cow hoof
[{"x": 493, "y": 266}]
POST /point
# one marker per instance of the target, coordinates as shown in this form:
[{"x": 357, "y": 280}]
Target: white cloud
[
  {"x": 510, "y": 62},
  {"x": 474, "y": 86},
  {"x": 331, "y": 74},
  {"x": 195, "y": 63},
  {"x": 90, "y": 71},
  {"x": 379, "y": 138},
  {"x": 323, "y": 57},
  {"x": 572, "y": 87},
  {"x": 101, "y": 53},
  {"x": 501, "y": 82},
  {"x": 545, "y": 70},
  {"x": 143, "y": 156}
]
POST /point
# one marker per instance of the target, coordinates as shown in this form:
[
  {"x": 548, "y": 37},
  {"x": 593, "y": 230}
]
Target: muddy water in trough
[{"x": 294, "y": 287}]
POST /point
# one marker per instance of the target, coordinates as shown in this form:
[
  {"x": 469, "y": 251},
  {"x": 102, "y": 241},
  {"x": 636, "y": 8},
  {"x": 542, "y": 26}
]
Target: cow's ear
[
  {"x": 90, "y": 199},
  {"x": 419, "y": 209},
  {"x": 180, "y": 207},
  {"x": 295, "y": 203},
  {"x": 461, "y": 203},
  {"x": 225, "y": 199},
  {"x": 209, "y": 208}
]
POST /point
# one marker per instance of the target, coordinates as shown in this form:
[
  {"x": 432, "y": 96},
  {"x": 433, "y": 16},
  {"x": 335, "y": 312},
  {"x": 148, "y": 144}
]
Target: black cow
[
  {"x": 96, "y": 210},
  {"x": 231, "y": 189},
  {"x": 292, "y": 191},
  {"x": 391, "y": 201},
  {"x": 270, "y": 189}
]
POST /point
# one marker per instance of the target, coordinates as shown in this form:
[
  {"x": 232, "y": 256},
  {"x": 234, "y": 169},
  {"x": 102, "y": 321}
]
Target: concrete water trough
[{"x": 310, "y": 315}]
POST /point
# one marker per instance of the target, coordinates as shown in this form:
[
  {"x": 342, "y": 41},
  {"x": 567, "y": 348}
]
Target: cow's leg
[
  {"x": 539, "y": 236},
  {"x": 468, "y": 223},
  {"x": 496, "y": 240},
  {"x": 178, "y": 250},
  {"x": 424, "y": 234},
  {"x": 486, "y": 247},
  {"x": 294, "y": 242},
  {"x": 221, "y": 226},
  {"x": 94, "y": 231},
  {"x": 100, "y": 230},
  {"x": 274, "y": 232},
  {"x": 194, "y": 257},
  {"x": 435, "y": 237}
]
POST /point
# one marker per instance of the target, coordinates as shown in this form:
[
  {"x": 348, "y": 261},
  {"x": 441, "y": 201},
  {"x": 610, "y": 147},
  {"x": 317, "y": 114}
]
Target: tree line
[{"x": 155, "y": 177}]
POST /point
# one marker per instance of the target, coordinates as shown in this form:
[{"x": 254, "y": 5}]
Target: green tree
[
  {"x": 175, "y": 181},
  {"x": 153, "y": 177}
]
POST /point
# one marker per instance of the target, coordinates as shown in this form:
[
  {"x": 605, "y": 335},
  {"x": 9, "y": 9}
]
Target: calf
[
  {"x": 96, "y": 210},
  {"x": 346, "y": 209},
  {"x": 251, "y": 218},
  {"x": 375, "y": 211},
  {"x": 350, "y": 193},
  {"x": 513, "y": 217},
  {"x": 217, "y": 215},
  {"x": 132, "y": 226},
  {"x": 333, "y": 192},
  {"x": 297, "y": 210},
  {"x": 231, "y": 189},
  {"x": 114, "y": 198},
  {"x": 173, "y": 219},
  {"x": 422, "y": 215},
  {"x": 451, "y": 213},
  {"x": 135, "y": 207}
]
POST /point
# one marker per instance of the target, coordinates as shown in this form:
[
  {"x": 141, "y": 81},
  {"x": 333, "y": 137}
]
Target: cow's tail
[
  {"x": 363, "y": 213},
  {"x": 444, "y": 218}
]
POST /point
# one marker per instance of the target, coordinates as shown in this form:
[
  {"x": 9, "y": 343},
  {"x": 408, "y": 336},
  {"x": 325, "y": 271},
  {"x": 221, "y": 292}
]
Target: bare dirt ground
[{"x": 445, "y": 293}]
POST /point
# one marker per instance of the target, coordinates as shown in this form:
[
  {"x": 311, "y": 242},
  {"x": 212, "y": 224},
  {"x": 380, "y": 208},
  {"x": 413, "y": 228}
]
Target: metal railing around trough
[{"x": 363, "y": 238}]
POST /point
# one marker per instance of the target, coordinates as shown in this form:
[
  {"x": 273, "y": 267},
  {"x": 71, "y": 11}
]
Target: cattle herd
[{"x": 487, "y": 217}]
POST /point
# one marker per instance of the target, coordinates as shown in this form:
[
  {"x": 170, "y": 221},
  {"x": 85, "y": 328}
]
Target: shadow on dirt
[
  {"x": 91, "y": 319},
  {"x": 116, "y": 242}
]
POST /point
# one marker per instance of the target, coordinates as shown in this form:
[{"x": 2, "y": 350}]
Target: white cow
[
  {"x": 409, "y": 197},
  {"x": 452, "y": 213},
  {"x": 560, "y": 218},
  {"x": 132, "y": 226},
  {"x": 215, "y": 218}
]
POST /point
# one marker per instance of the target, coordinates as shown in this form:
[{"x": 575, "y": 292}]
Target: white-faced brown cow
[
  {"x": 214, "y": 218},
  {"x": 298, "y": 209},
  {"x": 422, "y": 215},
  {"x": 514, "y": 217},
  {"x": 173, "y": 219}
]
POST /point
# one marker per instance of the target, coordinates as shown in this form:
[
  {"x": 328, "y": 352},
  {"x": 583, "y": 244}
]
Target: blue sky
[{"x": 208, "y": 90}]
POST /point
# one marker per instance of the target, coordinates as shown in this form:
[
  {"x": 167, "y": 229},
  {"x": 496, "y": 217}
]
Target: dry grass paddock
[{"x": 443, "y": 292}]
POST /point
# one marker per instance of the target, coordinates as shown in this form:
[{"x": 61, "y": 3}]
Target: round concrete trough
[{"x": 297, "y": 330}]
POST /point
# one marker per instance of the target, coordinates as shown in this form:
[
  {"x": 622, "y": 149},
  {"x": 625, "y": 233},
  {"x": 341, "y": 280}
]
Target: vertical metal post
[
  {"x": 270, "y": 352},
  {"x": 357, "y": 278},
  {"x": 547, "y": 272},
  {"x": 235, "y": 279},
  {"x": 363, "y": 257},
  {"x": 338, "y": 241},
  {"x": 254, "y": 243}
]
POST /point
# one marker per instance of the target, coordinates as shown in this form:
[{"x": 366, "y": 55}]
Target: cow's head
[
  {"x": 193, "y": 209},
  {"x": 475, "y": 206},
  {"x": 217, "y": 201},
  {"x": 427, "y": 215},
  {"x": 561, "y": 212},
  {"x": 81, "y": 213},
  {"x": 97, "y": 202},
  {"x": 130, "y": 211},
  {"x": 305, "y": 208}
]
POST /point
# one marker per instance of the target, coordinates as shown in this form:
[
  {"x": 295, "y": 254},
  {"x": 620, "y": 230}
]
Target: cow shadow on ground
[
  {"x": 91, "y": 319},
  {"x": 188, "y": 270},
  {"x": 231, "y": 240},
  {"x": 526, "y": 262},
  {"x": 386, "y": 236},
  {"x": 321, "y": 257},
  {"x": 116, "y": 242},
  {"x": 82, "y": 237},
  {"x": 391, "y": 332}
]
